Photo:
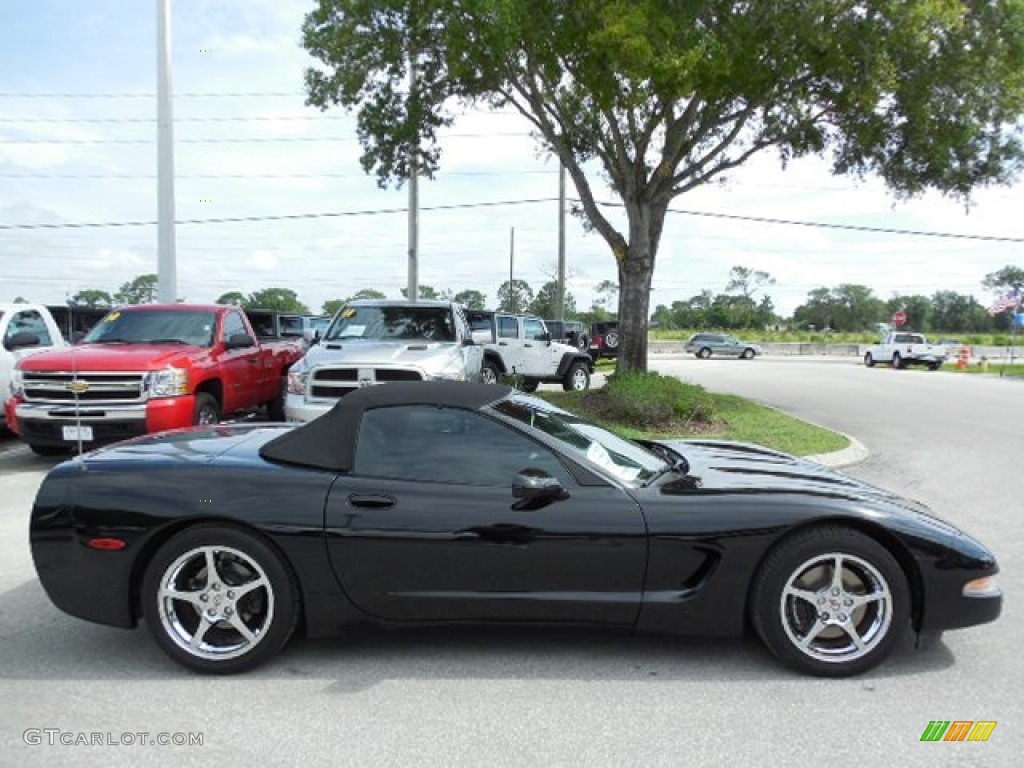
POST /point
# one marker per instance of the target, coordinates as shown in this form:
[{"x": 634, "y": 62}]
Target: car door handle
[
  {"x": 253, "y": 361},
  {"x": 372, "y": 500},
  {"x": 502, "y": 343},
  {"x": 527, "y": 345}
]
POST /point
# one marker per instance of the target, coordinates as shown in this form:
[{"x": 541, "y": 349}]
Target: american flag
[{"x": 1012, "y": 300}]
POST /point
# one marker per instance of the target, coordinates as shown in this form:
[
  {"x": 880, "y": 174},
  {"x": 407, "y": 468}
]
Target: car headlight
[
  {"x": 169, "y": 382},
  {"x": 298, "y": 376},
  {"x": 453, "y": 370},
  {"x": 17, "y": 383}
]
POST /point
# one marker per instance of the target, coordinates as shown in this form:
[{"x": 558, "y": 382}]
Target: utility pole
[
  {"x": 414, "y": 191},
  {"x": 167, "y": 270},
  {"x": 560, "y": 298},
  {"x": 513, "y": 305}
]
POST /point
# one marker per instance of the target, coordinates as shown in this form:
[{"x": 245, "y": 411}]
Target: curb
[{"x": 854, "y": 453}]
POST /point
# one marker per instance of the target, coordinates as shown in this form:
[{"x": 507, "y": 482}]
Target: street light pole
[{"x": 167, "y": 277}]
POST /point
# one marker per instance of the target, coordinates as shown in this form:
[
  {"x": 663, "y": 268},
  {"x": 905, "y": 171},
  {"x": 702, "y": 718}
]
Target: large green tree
[
  {"x": 472, "y": 298},
  {"x": 514, "y": 296},
  {"x": 140, "y": 290},
  {"x": 281, "y": 299},
  {"x": 655, "y": 98},
  {"x": 91, "y": 298},
  {"x": 545, "y": 303}
]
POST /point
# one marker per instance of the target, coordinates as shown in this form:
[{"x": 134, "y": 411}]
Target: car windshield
[
  {"x": 154, "y": 326},
  {"x": 627, "y": 461},
  {"x": 393, "y": 323}
]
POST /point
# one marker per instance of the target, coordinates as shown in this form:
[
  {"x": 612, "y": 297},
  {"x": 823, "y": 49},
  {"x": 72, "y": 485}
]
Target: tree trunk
[{"x": 636, "y": 271}]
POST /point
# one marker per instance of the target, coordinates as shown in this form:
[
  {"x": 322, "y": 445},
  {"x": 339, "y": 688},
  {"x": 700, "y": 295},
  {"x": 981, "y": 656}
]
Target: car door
[
  {"x": 426, "y": 528},
  {"x": 243, "y": 379},
  {"x": 540, "y": 358},
  {"x": 510, "y": 341}
]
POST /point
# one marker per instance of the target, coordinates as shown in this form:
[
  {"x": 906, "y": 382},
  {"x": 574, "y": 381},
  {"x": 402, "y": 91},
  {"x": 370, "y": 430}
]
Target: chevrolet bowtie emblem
[{"x": 77, "y": 386}]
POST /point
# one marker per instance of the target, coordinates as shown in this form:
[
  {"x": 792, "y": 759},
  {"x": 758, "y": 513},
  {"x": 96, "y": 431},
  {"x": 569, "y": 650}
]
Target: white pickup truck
[
  {"x": 24, "y": 330},
  {"x": 900, "y": 349}
]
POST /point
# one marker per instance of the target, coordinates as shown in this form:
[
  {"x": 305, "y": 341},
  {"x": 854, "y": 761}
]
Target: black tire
[
  {"x": 869, "y": 361},
  {"x": 489, "y": 373},
  {"x": 824, "y": 614},
  {"x": 747, "y": 354},
  {"x": 704, "y": 353},
  {"x": 275, "y": 407},
  {"x": 934, "y": 366},
  {"x": 611, "y": 340},
  {"x": 206, "y": 411},
  {"x": 268, "y": 611},
  {"x": 582, "y": 342},
  {"x": 48, "y": 450},
  {"x": 897, "y": 361},
  {"x": 577, "y": 378},
  {"x": 529, "y": 385}
]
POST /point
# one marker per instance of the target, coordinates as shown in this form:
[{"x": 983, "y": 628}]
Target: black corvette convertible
[{"x": 451, "y": 502}]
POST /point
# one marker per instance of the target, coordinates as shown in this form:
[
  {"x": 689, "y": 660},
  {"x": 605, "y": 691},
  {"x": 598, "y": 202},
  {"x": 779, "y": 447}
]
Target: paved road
[{"x": 472, "y": 697}]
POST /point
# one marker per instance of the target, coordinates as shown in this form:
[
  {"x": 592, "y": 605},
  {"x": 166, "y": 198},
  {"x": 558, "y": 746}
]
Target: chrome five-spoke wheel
[
  {"x": 219, "y": 599},
  {"x": 830, "y": 601}
]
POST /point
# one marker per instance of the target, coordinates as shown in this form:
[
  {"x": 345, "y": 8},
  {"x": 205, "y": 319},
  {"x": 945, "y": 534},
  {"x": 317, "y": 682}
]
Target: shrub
[{"x": 650, "y": 400}]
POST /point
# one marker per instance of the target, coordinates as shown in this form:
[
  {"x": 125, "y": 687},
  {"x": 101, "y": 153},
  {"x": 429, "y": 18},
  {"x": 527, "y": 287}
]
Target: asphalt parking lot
[{"x": 571, "y": 697}]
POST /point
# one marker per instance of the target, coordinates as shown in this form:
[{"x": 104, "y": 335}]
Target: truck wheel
[
  {"x": 577, "y": 378},
  {"x": 488, "y": 373},
  {"x": 529, "y": 385},
  {"x": 611, "y": 340},
  {"x": 47, "y": 450},
  {"x": 206, "y": 410},
  {"x": 869, "y": 361},
  {"x": 897, "y": 361},
  {"x": 934, "y": 366},
  {"x": 275, "y": 407}
]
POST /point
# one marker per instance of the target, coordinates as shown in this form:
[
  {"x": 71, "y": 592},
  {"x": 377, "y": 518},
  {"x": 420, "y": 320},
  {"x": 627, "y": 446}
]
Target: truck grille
[
  {"x": 333, "y": 383},
  {"x": 89, "y": 387}
]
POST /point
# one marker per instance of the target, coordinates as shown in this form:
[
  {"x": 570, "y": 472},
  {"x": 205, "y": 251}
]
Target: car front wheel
[
  {"x": 830, "y": 601},
  {"x": 488, "y": 373},
  {"x": 747, "y": 354},
  {"x": 206, "y": 410},
  {"x": 219, "y": 600},
  {"x": 704, "y": 353},
  {"x": 577, "y": 378}
]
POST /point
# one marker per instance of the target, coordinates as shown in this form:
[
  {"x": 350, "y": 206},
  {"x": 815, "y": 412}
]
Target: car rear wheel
[
  {"x": 869, "y": 361},
  {"x": 488, "y": 373},
  {"x": 577, "y": 378},
  {"x": 219, "y": 600},
  {"x": 529, "y": 385},
  {"x": 934, "y": 366},
  {"x": 703, "y": 353},
  {"x": 611, "y": 340},
  {"x": 897, "y": 361},
  {"x": 830, "y": 601},
  {"x": 206, "y": 411}
]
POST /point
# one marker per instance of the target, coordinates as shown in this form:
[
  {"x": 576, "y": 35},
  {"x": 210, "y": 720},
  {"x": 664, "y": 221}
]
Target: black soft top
[{"x": 328, "y": 442}]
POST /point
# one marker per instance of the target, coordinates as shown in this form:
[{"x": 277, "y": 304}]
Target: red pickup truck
[{"x": 144, "y": 369}]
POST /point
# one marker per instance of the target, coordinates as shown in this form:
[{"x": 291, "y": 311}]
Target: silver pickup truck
[{"x": 376, "y": 341}]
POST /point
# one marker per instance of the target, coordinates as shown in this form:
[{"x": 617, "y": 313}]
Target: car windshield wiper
[
  {"x": 110, "y": 341},
  {"x": 164, "y": 341},
  {"x": 674, "y": 461}
]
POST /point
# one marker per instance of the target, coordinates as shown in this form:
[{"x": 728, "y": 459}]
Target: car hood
[
  {"x": 113, "y": 357},
  {"x": 728, "y": 467},
  {"x": 355, "y": 352}
]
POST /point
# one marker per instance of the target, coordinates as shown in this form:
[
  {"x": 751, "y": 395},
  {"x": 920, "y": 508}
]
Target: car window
[
  {"x": 28, "y": 321},
  {"x": 291, "y": 325},
  {"x": 392, "y": 323},
  {"x": 447, "y": 445},
  {"x": 508, "y": 328},
  {"x": 534, "y": 329},
  {"x": 232, "y": 324},
  {"x": 143, "y": 326}
]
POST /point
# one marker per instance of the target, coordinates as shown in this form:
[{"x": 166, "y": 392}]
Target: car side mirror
[
  {"x": 311, "y": 335},
  {"x": 536, "y": 485},
  {"x": 22, "y": 339},
  {"x": 546, "y": 336},
  {"x": 239, "y": 340}
]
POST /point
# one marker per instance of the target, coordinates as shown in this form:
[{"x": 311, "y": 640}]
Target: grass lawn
[
  {"x": 735, "y": 419},
  {"x": 995, "y": 369}
]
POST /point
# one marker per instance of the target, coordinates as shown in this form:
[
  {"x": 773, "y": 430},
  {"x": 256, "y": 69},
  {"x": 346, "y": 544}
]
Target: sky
[{"x": 78, "y": 145}]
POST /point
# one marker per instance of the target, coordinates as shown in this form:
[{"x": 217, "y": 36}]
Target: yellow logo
[{"x": 77, "y": 386}]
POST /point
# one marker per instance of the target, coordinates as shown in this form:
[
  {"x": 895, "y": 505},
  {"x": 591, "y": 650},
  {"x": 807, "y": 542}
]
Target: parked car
[
  {"x": 372, "y": 341},
  {"x": 522, "y": 345},
  {"x": 453, "y": 502},
  {"x": 704, "y": 345},
  {"x": 144, "y": 369},
  {"x": 901, "y": 349},
  {"x": 25, "y": 329},
  {"x": 604, "y": 339},
  {"x": 571, "y": 332}
]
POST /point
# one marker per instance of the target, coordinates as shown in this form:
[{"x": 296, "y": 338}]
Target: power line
[
  {"x": 251, "y": 175},
  {"x": 150, "y": 120},
  {"x": 494, "y": 134},
  {"x": 826, "y": 225},
  {"x": 279, "y": 217},
  {"x": 142, "y": 94}
]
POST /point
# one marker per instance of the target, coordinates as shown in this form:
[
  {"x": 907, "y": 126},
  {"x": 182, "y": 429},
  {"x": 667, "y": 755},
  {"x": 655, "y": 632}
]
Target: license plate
[{"x": 78, "y": 433}]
